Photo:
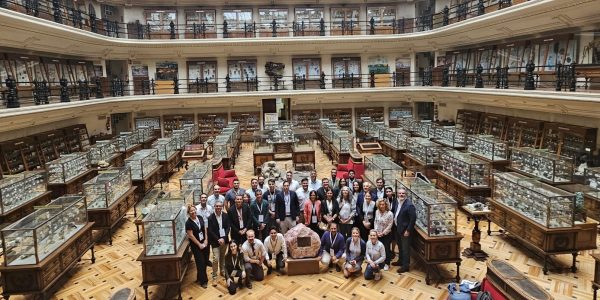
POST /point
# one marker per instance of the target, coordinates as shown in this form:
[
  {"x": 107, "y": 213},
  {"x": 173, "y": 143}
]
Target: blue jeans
[{"x": 369, "y": 272}]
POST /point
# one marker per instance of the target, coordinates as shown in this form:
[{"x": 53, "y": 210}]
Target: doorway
[{"x": 278, "y": 109}]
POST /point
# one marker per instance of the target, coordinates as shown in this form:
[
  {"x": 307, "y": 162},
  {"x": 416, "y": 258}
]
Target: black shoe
[
  {"x": 402, "y": 270},
  {"x": 269, "y": 271},
  {"x": 397, "y": 263},
  {"x": 204, "y": 285},
  {"x": 337, "y": 268},
  {"x": 249, "y": 285},
  {"x": 209, "y": 264}
]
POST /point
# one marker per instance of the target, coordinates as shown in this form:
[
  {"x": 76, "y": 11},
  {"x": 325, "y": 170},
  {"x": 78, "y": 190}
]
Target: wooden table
[
  {"x": 433, "y": 251},
  {"x": 107, "y": 218},
  {"x": 73, "y": 186},
  {"x": 474, "y": 251},
  {"x": 458, "y": 189},
  {"x": 165, "y": 269}
]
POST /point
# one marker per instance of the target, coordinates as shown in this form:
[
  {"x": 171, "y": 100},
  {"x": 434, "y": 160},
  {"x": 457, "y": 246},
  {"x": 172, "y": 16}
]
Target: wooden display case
[
  {"x": 73, "y": 186},
  {"x": 249, "y": 123},
  {"x": 596, "y": 281},
  {"x": 307, "y": 118},
  {"x": 210, "y": 125},
  {"x": 39, "y": 278},
  {"x": 51, "y": 145},
  {"x": 458, "y": 190},
  {"x": 20, "y": 155},
  {"x": 568, "y": 140},
  {"x": 541, "y": 239},
  {"x": 303, "y": 156},
  {"x": 375, "y": 113},
  {"x": 168, "y": 166},
  {"x": 512, "y": 283},
  {"x": 76, "y": 138},
  {"x": 144, "y": 185},
  {"x": 397, "y": 114},
  {"x": 590, "y": 203},
  {"x": 107, "y": 218},
  {"x": 342, "y": 117},
  {"x": 493, "y": 124},
  {"x": 522, "y": 132},
  {"x": 173, "y": 122},
  {"x": 165, "y": 269},
  {"x": 433, "y": 251},
  {"x": 25, "y": 209},
  {"x": 468, "y": 120}
]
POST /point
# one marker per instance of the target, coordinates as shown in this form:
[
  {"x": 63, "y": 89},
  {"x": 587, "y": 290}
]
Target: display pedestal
[
  {"x": 24, "y": 209},
  {"x": 303, "y": 266},
  {"x": 544, "y": 240},
  {"x": 38, "y": 278},
  {"x": 397, "y": 155},
  {"x": 73, "y": 186},
  {"x": 474, "y": 251},
  {"x": 146, "y": 184},
  {"x": 108, "y": 218},
  {"x": 457, "y": 189},
  {"x": 437, "y": 250},
  {"x": 167, "y": 166},
  {"x": 165, "y": 269}
]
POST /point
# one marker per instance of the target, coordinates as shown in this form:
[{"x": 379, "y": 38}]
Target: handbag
[{"x": 323, "y": 226}]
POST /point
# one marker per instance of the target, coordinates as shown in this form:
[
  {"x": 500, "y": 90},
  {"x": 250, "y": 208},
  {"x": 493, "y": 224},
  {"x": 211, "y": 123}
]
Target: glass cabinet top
[
  {"x": 43, "y": 215},
  {"x": 382, "y": 162},
  {"x": 166, "y": 211},
  {"x": 196, "y": 171},
  {"x": 143, "y": 154}
]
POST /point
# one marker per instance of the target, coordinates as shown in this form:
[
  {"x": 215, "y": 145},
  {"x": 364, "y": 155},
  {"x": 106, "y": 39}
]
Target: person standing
[
  {"x": 271, "y": 195},
  {"x": 312, "y": 212},
  {"x": 383, "y": 225},
  {"x": 241, "y": 219},
  {"x": 277, "y": 250},
  {"x": 197, "y": 234},
  {"x": 374, "y": 256},
  {"x": 232, "y": 193},
  {"x": 234, "y": 269},
  {"x": 379, "y": 189},
  {"x": 216, "y": 196},
  {"x": 329, "y": 208},
  {"x": 314, "y": 184},
  {"x": 302, "y": 193},
  {"x": 332, "y": 248},
  {"x": 351, "y": 178},
  {"x": 218, "y": 237},
  {"x": 347, "y": 210},
  {"x": 405, "y": 225},
  {"x": 365, "y": 210},
  {"x": 260, "y": 215},
  {"x": 253, "y": 188},
  {"x": 322, "y": 191},
  {"x": 254, "y": 255},
  {"x": 204, "y": 210},
  {"x": 261, "y": 184},
  {"x": 355, "y": 253},
  {"x": 286, "y": 208},
  {"x": 294, "y": 185},
  {"x": 333, "y": 180}
]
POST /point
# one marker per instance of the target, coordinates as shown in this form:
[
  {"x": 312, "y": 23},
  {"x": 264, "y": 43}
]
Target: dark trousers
[
  {"x": 255, "y": 270},
  {"x": 236, "y": 282},
  {"x": 404, "y": 249},
  {"x": 200, "y": 259},
  {"x": 315, "y": 228},
  {"x": 278, "y": 261},
  {"x": 235, "y": 235},
  {"x": 345, "y": 229},
  {"x": 364, "y": 232},
  {"x": 370, "y": 272},
  {"x": 386, "y": 240},
  {"x": 262, "y": 234}
]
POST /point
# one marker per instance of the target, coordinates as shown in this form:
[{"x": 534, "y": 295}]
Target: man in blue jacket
[
  {"x": 332, "y": 248},
  {"x": 286, "y": 208},
  {"x": 404, "y": 219}
]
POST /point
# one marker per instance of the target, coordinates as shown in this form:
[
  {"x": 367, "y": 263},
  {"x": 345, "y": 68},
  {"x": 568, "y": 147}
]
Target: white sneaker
[{"x": 386, "y": 267}]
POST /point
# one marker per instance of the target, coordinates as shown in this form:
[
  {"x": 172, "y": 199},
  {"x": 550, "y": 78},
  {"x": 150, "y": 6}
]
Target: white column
[
  {"x": 413, "y": 68},
  {"x": 221, "y": 73}
]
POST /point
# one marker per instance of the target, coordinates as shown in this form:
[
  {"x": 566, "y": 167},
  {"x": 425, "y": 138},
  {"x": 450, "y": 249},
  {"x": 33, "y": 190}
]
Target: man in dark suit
[
  {"x": 260, "y": 215},
  {"x": 271, "y": 195},
  {"x": 405, "y": 217},
  {"x": 218, "y": 237},
  {"x": 241, "y": 220},
  {"x": 322, "y": 191},
  {"x": 286, "y": 208},
  {"x": 352, "y": 178}
]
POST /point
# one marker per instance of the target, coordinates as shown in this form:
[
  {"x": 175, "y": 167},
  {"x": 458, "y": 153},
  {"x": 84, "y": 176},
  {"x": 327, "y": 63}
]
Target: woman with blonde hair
[
  {"x": 354, "y": 254},
  {"x": 384, "y": 219},
  {"x": 198, "y": 236},
  {"x": 347, "y": 210}
]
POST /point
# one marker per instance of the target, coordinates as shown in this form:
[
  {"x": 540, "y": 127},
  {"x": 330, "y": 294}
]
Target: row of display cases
[
  {"x": 32, "y": 152},
  {"x": 336, "y": 142},
  {"x": 563, "y": 139}
]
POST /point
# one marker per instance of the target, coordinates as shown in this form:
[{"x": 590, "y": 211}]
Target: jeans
[
  {"x": 370, "y": 271},
  {"x": 386, "y": 240},
  {"x": 404, "y": 249}
]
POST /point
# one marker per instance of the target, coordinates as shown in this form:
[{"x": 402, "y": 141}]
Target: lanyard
[
  {"x": 239, "y": 211},
  {"x": 234, "y": 261},
  {"x": 331, "y": 238},
  {"x": 274, "y": 246},
  {"x": 259, "y": 205}
]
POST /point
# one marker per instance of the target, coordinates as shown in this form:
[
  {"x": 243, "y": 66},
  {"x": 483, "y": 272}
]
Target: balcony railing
[
  {"x": 55, "y": 11},
  {"x": 530, "y": 77}
]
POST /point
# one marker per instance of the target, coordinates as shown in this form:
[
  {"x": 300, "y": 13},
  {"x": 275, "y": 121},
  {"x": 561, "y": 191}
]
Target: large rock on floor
[{"x": 302, "y": 242}]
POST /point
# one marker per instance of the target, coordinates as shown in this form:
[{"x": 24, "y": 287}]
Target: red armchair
[
  {"x": 224, "y": 178},
  {"x": 354, "y": 163}
]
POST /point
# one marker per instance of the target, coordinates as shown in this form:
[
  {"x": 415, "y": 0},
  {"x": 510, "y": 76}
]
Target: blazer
[
  {"x": 406, "y": 217},
  {"x": 363, "y": 249},
  {"x": 361, "y": 197},
  {"x": 280, "y": 206},
  {"x": 308, "y": 206},
  {"x": 191, "y": 225},
  {"x": 325, "y": 210},
  {"x": 264, "y": 211},
  {"x": 235, "y": 220},
  {"x": 322, "y": 193},
  {"x": 360, "y": 213},
  {"x": 230, "y": 267},
  {"x": 274, "y": 196},
  {"x": 338, "y": 245},
  {"x": 213, "y": 229}
]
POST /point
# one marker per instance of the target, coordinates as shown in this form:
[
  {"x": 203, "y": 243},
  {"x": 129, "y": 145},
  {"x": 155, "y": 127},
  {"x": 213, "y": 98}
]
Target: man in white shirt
[
  {"x": 232, "y": 193},
  {"x": 252, "y": 191},
  {"x": 262, "y": 185},
  {"x": 277, "y": 250},
  {"x": 302, "y": 193},
  {"x": 314, "y": 183},
  {"x": 255, "y": 254},
  {"x": 215, "y": 196},
  {"x": 204, "y": 211},
  {"x": 294, "y": 185}
]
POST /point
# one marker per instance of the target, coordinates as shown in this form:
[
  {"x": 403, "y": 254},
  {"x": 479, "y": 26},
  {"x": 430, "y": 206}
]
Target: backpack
[
  {"x": 484, "y": 296},
  {"x": 459, "y": 292}
]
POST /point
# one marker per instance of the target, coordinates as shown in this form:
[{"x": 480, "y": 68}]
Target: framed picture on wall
[{"x": 139, "y": 70}]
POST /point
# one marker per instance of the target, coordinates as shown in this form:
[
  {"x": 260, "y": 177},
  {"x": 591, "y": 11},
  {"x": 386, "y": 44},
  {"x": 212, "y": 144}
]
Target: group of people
[{"x": 244, "y": 228}]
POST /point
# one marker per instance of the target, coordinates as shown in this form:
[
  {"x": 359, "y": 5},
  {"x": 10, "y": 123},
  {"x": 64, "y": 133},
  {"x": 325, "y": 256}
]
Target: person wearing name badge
[
  {"x": 218, "y": 237},
  {"x": 286, "y": 208},
  {"x": 312, "y": 212},
  {"x": 383, "y": 226},
  {"x": 240, "y": 218},
  {"x": 302, "y": 193},
  {"x": 204, "y": 210},
  {"x": 232, "y": 193},
  {"x": 277, "y": 250},
  {"x": 355, "y": 253},
  {"x": 255, "y": 254},
  {"x": 332, "y": 248},
  {"x": 374, "y": 256},
  {"x": 271, "y": 195},
  {"x": 260, "y": 215},
  {"x": 235, "y": 273},
  {"x": 197, "y": 234}
]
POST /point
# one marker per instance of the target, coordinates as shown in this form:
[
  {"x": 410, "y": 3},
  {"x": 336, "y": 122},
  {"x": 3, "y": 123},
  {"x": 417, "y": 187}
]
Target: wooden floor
[{"x": 116, "y": 267}]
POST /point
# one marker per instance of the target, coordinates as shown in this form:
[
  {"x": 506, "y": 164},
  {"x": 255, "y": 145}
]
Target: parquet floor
[{"x": 116, "y": 267}]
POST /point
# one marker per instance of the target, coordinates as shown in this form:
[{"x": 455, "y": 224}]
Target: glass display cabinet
[
  {"x": 488, "y": 147},
  {"x": 181, "y": 137},
  {"x": 144, "y": 133},
  {"x": 18, "y": 189},
  {"x": 423, "y": 128},
  {"x": 541, "y": 163},
  {"x": 142, "y": 163},
  {"x": 546, "y": 205},
  {"x": 424, "y": 150},
  {"x": 436, "y": 211},
  {"x": 395, "y": 137},
  {"x": 166, "y": 147},
  {"x": 592, "y": 179},
  {"x": 450, "y": 136},
  {"x": 186, "y": 196},
  {"x": 342, "y": 141},
  {"x": 106, "y": 188},
  {"x": 381, "y": 166},
  {"x": 33, "y": 238},
  {"x": 463, "y": 167},
  {"x": 232, "y": 129},
  {"x": 261, "y": 145},
  {"x": 222, "y": 146},
  {"x": 192, "y": 131},
  {"x": 126, "y": 141},
  {"x": 67, "y": 167},
  {"x": 197, "y": 176},
  {"x": 102, "y": 151},
  {"x": 164, "y": 228},
  {"x": 149, "y": 202}
]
